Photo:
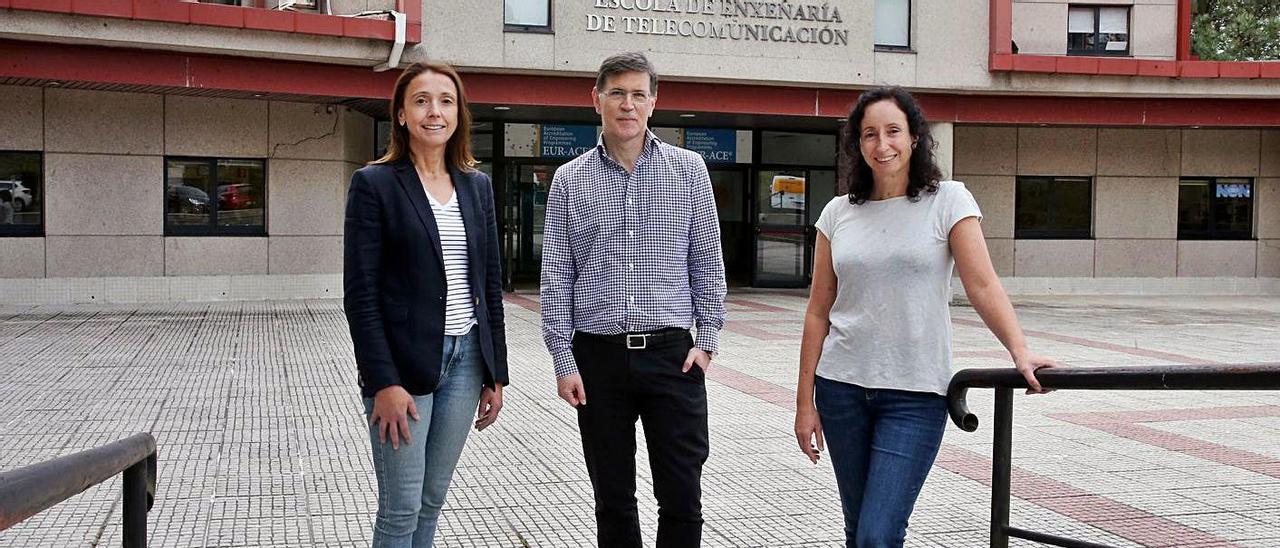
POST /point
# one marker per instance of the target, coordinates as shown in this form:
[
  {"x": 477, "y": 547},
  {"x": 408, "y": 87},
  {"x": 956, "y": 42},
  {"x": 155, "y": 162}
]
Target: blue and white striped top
[{"x": 459, "y": 309}]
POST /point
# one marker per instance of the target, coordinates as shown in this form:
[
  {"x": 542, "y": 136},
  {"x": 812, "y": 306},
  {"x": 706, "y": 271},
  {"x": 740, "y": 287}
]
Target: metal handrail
[
  {"x": 1253, "y": 376},
  {"x": 30, "y": 490}
]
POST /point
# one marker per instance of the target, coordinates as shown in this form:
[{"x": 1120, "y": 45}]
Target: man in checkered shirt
[{"x": 630, "y": 262}]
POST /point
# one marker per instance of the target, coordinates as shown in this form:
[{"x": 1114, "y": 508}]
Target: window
[
  {"x": 215, "y": 197},
  {"x": 21, "y": 194},
  {"x": 1097, "y": 30},
  {"x": 1211, "y": 208},
  {"x": 528, "y": 15},
  {"x": 893, "y": 24},
  {"x": 1053, "y": 208}
]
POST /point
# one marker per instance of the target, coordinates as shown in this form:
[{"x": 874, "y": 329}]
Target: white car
[{"x": 21, "y": 195}]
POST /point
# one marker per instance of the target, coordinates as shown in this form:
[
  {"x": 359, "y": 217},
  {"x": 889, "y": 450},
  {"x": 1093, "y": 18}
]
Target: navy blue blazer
[{"x": 393, "y": 277}]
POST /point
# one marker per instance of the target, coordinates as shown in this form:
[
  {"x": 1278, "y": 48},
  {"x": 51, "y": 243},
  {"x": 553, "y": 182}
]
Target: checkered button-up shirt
[{"x": 630, "y": 252}]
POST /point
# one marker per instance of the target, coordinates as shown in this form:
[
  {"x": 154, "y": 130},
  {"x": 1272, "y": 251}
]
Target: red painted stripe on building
[
  {"x": 1184, "y": 30},
  {"x": 280, "y": 21},
  {"x": 355, "y": 27},
  {"x": 1000, "y": 27},
  {"x": 1052, "y": 110},
  {"x": 1001, "y": 62},
  {"x": 217, "y": 15},
  {"x": 1034, "y": 63},
  {"x": 1117, "y": 67},
  {"x": 72, "y": 63},
  {"x": 311, "y": 23},
  {"x": 1076, "y": 65},
  {"x": 166, "y": 11},
  {"x": 1235, "y": 69},
  {"x": 57, "y": 6},
  {"x": 1168, "y": 69},
  {"x": 1198, "y": 69},
  {"x": 103, "y": 8},
  {"x": 1101, "y": 345},
  {"x": 837, "y": 103},
  {"x": 1236, "y": 114}
]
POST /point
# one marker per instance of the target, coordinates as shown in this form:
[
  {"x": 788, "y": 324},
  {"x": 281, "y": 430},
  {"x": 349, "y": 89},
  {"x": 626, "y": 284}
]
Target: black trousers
[{"x": 625, "y": 384}]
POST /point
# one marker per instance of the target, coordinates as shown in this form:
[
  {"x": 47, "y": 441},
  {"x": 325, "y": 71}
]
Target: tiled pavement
[{"x": 261, "y": 441}]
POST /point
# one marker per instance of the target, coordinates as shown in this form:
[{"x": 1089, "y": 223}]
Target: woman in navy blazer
[{"x": 424, "y": 301}]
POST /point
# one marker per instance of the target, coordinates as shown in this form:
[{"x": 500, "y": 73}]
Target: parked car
[
  {"x": 22, "y": 196},
  {"x": 187, "y": 199},
  {"x": 238, "y": 196}
]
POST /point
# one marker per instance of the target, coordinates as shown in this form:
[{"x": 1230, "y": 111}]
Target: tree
[{"x": 1236, "y": 30}]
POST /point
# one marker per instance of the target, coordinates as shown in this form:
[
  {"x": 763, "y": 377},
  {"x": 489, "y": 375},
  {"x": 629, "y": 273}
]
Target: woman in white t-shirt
[{"x": 875, "y": 357}]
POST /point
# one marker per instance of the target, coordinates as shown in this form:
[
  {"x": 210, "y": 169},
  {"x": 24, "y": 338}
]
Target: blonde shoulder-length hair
[{"x": 458, "y": 150}]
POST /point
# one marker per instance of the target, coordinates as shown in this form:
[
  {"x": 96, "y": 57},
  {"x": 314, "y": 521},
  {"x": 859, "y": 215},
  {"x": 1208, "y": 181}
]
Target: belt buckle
[{"x": 642, "y": 337}]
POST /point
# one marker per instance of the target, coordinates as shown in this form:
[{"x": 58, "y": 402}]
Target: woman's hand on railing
[
  {"x": 1027, "y": 364},
  {"x": 809, "y": 431}
]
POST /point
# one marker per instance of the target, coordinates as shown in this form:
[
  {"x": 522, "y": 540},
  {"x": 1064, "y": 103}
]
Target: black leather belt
[{"x": 638, "y": 341}]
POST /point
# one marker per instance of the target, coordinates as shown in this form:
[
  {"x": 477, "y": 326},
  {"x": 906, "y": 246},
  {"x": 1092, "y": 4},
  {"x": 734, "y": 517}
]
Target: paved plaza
[{"x": 262, "y": 441}]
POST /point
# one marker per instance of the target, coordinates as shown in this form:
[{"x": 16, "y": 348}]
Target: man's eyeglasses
[{"x": 616, "y": 95}]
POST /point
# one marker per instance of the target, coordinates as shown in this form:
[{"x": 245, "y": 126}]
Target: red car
[{"x": 238, "y": 196}]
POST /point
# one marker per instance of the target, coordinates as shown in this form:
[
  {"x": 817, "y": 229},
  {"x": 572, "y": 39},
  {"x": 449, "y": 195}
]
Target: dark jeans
[
  {"x": 623, "y": 385},
  {"x": 882, "y": 443}
]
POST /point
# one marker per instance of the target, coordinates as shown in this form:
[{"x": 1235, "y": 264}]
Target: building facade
[{"x": 170, "y": 150}]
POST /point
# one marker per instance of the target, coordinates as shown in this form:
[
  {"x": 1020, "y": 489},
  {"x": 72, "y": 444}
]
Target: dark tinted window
[
  {"x": 215, "y": 197},
  {"x": 1212, "y": 208},
  {"x": 21, "y": 194},
  {"x": 1053, "y": 207}
]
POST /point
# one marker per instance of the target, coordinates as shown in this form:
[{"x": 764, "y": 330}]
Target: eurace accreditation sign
[{"x": 746, "y": 20}]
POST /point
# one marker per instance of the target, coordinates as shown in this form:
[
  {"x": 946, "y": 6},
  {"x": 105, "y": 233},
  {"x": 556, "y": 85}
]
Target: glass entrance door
[
  {"x": 780, "y": 228},
  {"x": 523, "y": 217},
  {"x": 788, "y": 202}
]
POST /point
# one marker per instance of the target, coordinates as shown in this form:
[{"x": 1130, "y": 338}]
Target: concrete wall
[
  {"x": 1135, "y": 211},
  {"x": 104, "y": 181}
]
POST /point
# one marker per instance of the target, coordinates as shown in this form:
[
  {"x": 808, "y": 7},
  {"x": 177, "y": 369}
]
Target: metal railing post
[
  {"x": 1239, "y": 376},
  {"x": 1001, "y": 463},
  {"x": 135, "y": 505}
]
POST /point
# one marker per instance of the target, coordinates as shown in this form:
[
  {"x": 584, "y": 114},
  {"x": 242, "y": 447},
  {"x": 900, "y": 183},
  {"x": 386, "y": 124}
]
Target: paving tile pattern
[{"x": 262, "y": 441}]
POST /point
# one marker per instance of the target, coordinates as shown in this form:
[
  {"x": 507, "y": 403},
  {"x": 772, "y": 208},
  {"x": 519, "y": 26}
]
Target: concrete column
[{"x": 944, "y": 136}]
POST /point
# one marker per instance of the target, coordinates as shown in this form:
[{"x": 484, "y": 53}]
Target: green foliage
[{"x": 1236, "y": 30}]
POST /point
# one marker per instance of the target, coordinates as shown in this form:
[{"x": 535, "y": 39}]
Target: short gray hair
[{"x": 631, "y": 61}]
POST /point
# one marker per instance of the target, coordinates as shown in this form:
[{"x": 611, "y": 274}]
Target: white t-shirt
[{"x": 890, "y": 323}]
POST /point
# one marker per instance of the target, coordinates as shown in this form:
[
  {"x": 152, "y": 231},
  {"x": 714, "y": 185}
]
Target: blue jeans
[
  {"x": 412, "y": 480},
  {"x": 882, "y": 444}
]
